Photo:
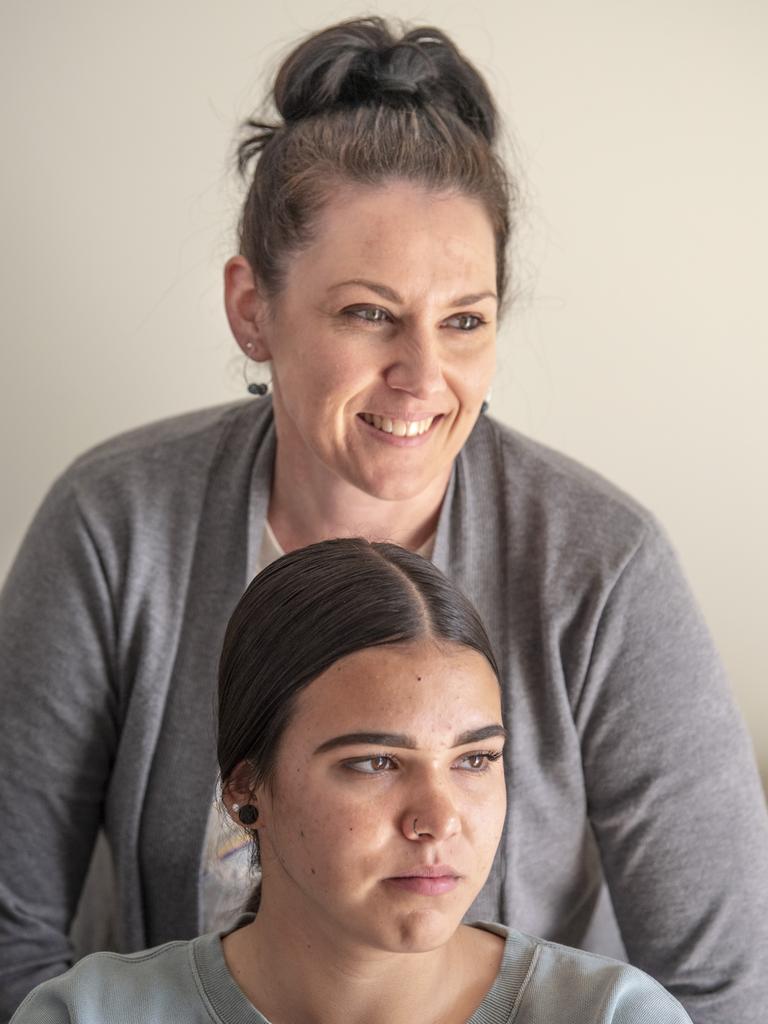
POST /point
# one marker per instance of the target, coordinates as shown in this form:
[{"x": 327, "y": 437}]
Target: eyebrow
[
  {"x": 389, "y": 293},
  {"x": 398, "y": 739}
]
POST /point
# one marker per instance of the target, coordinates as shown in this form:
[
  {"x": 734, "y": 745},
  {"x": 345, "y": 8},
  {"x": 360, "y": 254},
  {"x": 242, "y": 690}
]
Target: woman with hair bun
[
  {"x": 360, "y": 750},
  {"x": 371, "y": 274}
]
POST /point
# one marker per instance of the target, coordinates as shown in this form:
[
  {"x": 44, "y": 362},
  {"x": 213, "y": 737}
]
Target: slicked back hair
[{"x": 307, "y": 610}]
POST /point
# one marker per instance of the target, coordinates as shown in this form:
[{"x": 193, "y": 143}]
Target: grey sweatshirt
[
  {"x": 627, "y": 762},
  {"x": 190, "y": 982}
]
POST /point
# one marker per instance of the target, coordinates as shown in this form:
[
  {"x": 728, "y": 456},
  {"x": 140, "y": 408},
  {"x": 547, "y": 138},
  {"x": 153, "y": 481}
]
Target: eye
[
  {"x": 368, "y": 314},
  {"x": 465, "y": 321},
  {"x": 374, "y": 765},
  {"x": 479, "y": 760}
]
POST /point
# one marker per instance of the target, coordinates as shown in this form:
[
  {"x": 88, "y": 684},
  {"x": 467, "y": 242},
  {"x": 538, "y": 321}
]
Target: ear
[
  {"x": 240, "y": 790},
  {"x": 246, "y": 308}
]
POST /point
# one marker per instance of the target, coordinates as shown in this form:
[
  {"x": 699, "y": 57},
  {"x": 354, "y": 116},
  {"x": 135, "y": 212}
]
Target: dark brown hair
[
  {"x": 310, "y": 608},
  {"x": 359, "y": 103}
]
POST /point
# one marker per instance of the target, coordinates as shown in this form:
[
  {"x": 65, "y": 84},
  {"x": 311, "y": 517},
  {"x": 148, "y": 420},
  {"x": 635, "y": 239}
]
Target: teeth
[{"x": 400, "y": 428}]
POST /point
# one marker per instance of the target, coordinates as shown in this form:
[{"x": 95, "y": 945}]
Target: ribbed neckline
[{"x": 229, "y": 1005}]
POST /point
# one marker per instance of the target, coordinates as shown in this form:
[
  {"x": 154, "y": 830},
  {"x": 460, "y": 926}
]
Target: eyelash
[
  {"x": 357, "y": 311},
  {"x": 489, "y": 757}
]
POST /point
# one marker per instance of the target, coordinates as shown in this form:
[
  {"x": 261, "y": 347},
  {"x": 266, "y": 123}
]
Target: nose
[
  {"x": 416, "y": 366},
  {"x": 432, "y": 815}
]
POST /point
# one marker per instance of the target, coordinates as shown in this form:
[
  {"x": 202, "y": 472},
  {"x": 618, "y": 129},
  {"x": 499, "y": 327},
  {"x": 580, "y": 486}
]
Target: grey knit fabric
[
  {"x": 627, "y": 762},
  {"x": 538, "y": 983}
]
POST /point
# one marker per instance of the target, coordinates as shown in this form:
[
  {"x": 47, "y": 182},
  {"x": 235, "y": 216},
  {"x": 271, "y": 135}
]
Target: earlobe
[
  {"x": 246, "y": 308},
  {"x": 247, "y": 813},
  {"x": 241, "y": 798}
]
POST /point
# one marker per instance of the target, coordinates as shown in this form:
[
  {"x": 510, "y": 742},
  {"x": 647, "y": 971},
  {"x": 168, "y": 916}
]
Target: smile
[{"x": 400, "y": 428}]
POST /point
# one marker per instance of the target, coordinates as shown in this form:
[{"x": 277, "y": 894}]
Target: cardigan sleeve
[
  {"x": 58, "y": 732},
  {"x": 674, "y": 797}
]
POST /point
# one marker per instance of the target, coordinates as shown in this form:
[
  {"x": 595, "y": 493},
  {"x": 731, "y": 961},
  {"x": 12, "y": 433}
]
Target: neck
[
  {"x": 331, "y": 507},
  {"x": 293, "y": 972}
]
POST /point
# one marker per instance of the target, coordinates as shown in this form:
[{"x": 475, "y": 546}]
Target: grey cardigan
[
  {"x": 627, "y": 760},
  {"x": 190, "y": 982}
]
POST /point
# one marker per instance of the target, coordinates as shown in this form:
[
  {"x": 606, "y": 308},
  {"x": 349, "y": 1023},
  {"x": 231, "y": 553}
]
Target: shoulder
[
  {"x": 155, "y": 985},
  {"x": 167, "y": 463},
  {"x": 533, "y": 467},
  {"x": 606, "y": 990},
  {"x": 541, "y": 497},
  {"x": 168, "y": 442}
]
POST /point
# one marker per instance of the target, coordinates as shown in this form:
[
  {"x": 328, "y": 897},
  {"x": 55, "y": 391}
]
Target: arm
[
  {"x": 674, "y": 797},
  {"x": 58, "y": 731}
]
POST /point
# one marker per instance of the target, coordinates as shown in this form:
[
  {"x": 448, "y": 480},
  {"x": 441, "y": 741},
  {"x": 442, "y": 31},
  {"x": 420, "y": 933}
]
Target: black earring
[
  {"x": 252, "y": 387},
  {"x": 248, "y": 813}
]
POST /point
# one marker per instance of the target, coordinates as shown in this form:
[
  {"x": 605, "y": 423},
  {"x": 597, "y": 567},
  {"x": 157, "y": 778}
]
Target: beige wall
[{"x": 641, "y": 343}]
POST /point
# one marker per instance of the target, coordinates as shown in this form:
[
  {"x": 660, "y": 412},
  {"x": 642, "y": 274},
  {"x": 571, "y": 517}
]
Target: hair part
[
  {"x": 307, "y": 610},
  {"x": 360, "y": 104}
]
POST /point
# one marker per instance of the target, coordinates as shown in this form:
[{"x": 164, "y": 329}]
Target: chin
[
  {"x": 398, "y": 487},
  {"x": 422, "y": 931},
  {"x": 414, "y": 929}
]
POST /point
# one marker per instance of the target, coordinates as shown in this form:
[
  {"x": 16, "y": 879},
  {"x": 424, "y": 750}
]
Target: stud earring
[{"x": 247, "y": 813}]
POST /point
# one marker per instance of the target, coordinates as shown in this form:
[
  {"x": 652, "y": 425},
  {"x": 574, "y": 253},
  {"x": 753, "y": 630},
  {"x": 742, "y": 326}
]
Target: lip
[
  {"x": 429, "y": 880},
  {"x": 401, "y": 442}
]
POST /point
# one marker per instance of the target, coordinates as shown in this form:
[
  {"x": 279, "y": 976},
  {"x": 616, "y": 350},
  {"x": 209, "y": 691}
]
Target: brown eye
[
  {"x": 372, "y": 765},
  {"x": 479, "y": 761}
]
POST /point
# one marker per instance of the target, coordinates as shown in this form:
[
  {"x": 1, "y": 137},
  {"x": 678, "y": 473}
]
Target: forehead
[
  {"x": 427, "y": 690},
  {"x": 403, "y": 230}
]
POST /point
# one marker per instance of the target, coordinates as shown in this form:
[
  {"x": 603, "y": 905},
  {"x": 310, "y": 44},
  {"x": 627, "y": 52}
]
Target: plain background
[{"x": 639, "y": 343}]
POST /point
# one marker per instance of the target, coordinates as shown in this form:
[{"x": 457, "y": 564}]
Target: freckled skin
[{"x": 356, "y": 828}]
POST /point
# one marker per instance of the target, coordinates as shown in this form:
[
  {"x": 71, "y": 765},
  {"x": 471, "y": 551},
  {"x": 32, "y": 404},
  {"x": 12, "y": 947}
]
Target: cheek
[
  {"x": 321, "y": 361},
  {"x": 485, "y": 817},
  {"x": 470, "y": 375},
  {"x": 478, "y": 374},
  {"x": 327, "y": 833}
]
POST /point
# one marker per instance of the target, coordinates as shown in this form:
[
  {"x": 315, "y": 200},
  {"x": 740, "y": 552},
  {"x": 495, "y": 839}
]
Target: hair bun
[{"x": 362, "y": 62}]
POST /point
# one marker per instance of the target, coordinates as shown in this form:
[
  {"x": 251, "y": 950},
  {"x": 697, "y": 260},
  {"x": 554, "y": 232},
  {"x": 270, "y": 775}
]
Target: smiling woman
[
  {"x": 384, "y": 398},
  {"x": 360, "y": 743}
]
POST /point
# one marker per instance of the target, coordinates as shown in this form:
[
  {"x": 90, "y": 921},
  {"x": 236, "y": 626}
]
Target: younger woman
[{"x": 360, "y": 743}]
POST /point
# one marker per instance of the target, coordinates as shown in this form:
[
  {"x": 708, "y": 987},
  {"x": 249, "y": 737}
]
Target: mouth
[
  {"x": 396, "y": 427},
  {"x": 433, "y": 880}
]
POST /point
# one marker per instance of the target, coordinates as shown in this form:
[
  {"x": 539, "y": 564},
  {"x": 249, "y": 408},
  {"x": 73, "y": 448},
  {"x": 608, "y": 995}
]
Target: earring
[
  {"x": 247, "y": 813},
  {"x": 253, "y": 387}
]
